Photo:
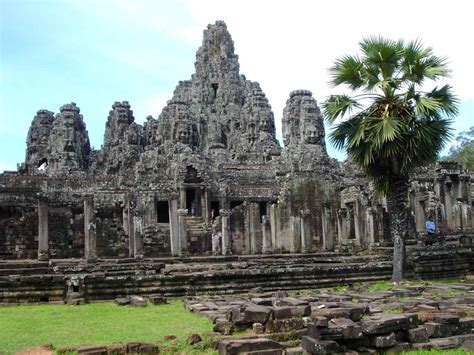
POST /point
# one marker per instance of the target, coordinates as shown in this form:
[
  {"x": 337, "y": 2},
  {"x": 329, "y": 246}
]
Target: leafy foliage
[
  {"x": 463, "y": 150},
  {"x": 388, "y": 124}
]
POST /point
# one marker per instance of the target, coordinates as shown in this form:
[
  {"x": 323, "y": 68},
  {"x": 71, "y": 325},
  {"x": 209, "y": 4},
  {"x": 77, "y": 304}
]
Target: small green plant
[{"x": 393, "y": 310}]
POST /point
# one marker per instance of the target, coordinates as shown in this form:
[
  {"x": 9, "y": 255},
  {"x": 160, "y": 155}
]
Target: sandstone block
[
  {"x": 314, "y": 346},
  {"x": 384, "y": 323},
  {"x": 256, "y": 314},
  {"x": 436, "y": 330},
  {"x": 241, "y": 346},
  {"x": 418, "y": 335},
  {"x": 383, "y": 341}
]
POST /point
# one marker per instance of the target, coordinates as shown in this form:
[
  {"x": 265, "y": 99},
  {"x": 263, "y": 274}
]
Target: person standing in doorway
[
  {"x": 430, "y": 231},
  {"x": 193, "y": 208}
]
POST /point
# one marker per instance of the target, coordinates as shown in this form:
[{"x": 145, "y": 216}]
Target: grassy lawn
[
  {"x": 98, "y": 323},
  {"x": 438, "y": 352}
]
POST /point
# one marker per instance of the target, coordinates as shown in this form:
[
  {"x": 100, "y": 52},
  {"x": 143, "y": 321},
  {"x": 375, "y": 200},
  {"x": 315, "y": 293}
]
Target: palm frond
[{"x": 338, "y": 105}]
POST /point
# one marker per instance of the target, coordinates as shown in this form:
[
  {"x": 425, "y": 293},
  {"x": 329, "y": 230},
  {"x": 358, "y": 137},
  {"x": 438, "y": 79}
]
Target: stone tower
[
  {"x": 37, "y": 142},
  {"x": 69, "y": 146}
]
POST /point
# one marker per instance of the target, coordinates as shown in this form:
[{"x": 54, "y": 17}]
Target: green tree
[
  {"x": 463, "y": 150},
  {"x": 389, "y": 124}
]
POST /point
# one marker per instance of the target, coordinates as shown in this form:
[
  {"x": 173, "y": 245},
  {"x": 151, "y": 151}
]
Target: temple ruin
[{"x": 209, "y": 178}]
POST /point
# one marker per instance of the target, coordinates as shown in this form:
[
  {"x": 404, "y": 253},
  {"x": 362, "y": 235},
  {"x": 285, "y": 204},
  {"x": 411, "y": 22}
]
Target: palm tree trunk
[{"x": 397, "y": 199}]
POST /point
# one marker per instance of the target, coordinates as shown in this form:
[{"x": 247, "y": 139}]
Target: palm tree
[{"x": 389, "y": 124}]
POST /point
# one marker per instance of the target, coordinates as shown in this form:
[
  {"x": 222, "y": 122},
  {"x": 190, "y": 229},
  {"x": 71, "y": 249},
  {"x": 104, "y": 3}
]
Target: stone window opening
[
  {"x": 162, "y": 212},
  {"x": 215, "y": 87}
]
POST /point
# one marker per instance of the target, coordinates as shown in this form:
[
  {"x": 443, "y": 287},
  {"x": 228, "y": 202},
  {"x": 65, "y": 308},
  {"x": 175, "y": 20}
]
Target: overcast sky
[{"x": 96, "y": 52}]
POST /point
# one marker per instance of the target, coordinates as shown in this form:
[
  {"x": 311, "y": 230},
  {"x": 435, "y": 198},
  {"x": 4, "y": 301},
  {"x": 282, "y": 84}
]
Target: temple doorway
[{"x": 193, "y": 194}]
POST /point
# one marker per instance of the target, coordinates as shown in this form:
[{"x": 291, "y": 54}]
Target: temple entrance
[
  {"x": 163, "y": 212},
  {"x": 193, "y": 194}
]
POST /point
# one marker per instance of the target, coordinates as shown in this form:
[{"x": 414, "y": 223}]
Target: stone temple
[{"x": 208, "y": 178}]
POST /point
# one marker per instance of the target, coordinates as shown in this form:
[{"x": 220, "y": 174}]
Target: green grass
[
  {"x": 98, "y": 323},
  {"x": 438, "y": 352}
]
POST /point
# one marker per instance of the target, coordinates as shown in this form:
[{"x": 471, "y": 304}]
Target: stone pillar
[
  {"x": 266, "y": 235},
  {"x": 448, "y": 204},
  {"x": 328, "y": 230},
  {"x": 371, "y": 212},
  {"x": 255, "y": 229},
  {"x": 138, "y": 237},
  {"x": 204, "y": 208},
  {"x": 226, "y": 243},
  {"x": 182, "y": 197},
  {"x": 342, "y": 230},
  {"x": 305, "y": 242},
  {"x": 150, "y": 211},
  {"x": 90, "y": 237},
  {"x": 182, "y": 231},
  {"x": 128, "y": 228},
  {"x": 295, "y": 234},
  {"x": 274, "y": 225},
  {"x": 43, "y": 242},
  {"x": 174, "y": 231}
]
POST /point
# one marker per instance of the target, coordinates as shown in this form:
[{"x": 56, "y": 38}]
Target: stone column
[
  {"x": 295, "y": 234},
  {"x": 448, "y": 204},
  {"x": 138, "y": 237},
  {"x": 266, "y": 235},
  {"x": 328, "y": 230},
  {"x": 255, "y": 229},
  {"x": 342, "y": 231},
  {"x": 182, "y": 231},
  {"x": 174, "y": 231},
  {"x": 182, "y": 197},
  {"x": 43, "y": 242},
  {"x": 90, "y": 237},
  {"x": 128, "y": 228},
  {"x": 274, "y": 225},
  {"x": 305, "y": 242},
  {"x": 204, "y": 208},
  {"x": 371, "y": 211},
  {"x": 226, "y": 244}
]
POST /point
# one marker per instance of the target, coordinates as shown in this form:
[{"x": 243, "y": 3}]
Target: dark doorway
[
  {"x": 215, "y": 208},
  {"x": 235, "y": 204},
  {"x": 263, "y": 209},
  {"x": 190, "y": 197},
  {"x": 162, "y": 212}
]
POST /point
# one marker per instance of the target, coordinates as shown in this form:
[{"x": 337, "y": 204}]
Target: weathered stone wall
[{"x": 18, "y": 233}]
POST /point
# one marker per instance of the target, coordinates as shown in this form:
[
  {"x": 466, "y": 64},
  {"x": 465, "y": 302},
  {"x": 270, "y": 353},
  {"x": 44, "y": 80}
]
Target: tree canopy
[
  {"x": 463, "y": 150},
  {"x": 389, "y": 123}
]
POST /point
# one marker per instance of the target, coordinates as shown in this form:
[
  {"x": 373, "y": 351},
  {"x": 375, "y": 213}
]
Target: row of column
[{"x": 132, "y": 226}]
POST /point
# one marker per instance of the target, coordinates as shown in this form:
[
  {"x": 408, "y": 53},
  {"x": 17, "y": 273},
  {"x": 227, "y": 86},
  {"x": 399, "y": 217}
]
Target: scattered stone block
[
  {"x": 91, "y": 350},
  {"x": 243, "y": 346},
  {"x": 117, "y": 349},
  {"x": 418, "y": 335},
  {"x": 445, "y": 319},
  {"x": 138, "y": 301},
  {"x": 284, "y": 325},
  {"x": 436, "y": 330},
  {"x": 384, "y": 323},
  {"x": 315, "y": 346},
  {"x": 256, "y": 314},
  {"x": 223, "y": 326},
  {"x": 384, "y": 340},
  {"x": 262, "y": 301},
  {"x": 468, "y": 345},
  {"x": 294, "y": 351},
  {"x": 194, "y": 339},
  {"x": 258, "y": 328},
  {"x": 341, "y": 328},
  {"x": 122, "y": 301},
  {"x": 158, "y": 300}
]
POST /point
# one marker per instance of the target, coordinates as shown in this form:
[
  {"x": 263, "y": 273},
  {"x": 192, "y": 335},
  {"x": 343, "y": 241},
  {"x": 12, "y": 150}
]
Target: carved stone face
[
  {"x": 183, "y": 135},
  {"x": 311, "y": 135}
]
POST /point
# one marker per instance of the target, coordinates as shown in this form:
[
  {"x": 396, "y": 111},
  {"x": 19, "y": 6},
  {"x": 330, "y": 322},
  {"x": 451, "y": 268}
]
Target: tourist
[
  {"x": 193, "y": 208},
  {"x": 430, "y": 231}
]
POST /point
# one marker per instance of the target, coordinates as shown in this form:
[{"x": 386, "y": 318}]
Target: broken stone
[
  {"x": 194, "y": 339},
  {"x": 256, "y": 314},
  {"x": 138, "y": 301},
  {"x": 383, "y": 341},
  {"x": 284, "y": 325},
  {"x": 244, "y": 346},
  {"x": 436, "y": 330},
  {"x": 122, "y": 301},
  {"x": 314, "y": 346},
  {"x": 418, "y": 335},
  {"x": 384, "y": 323}
]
